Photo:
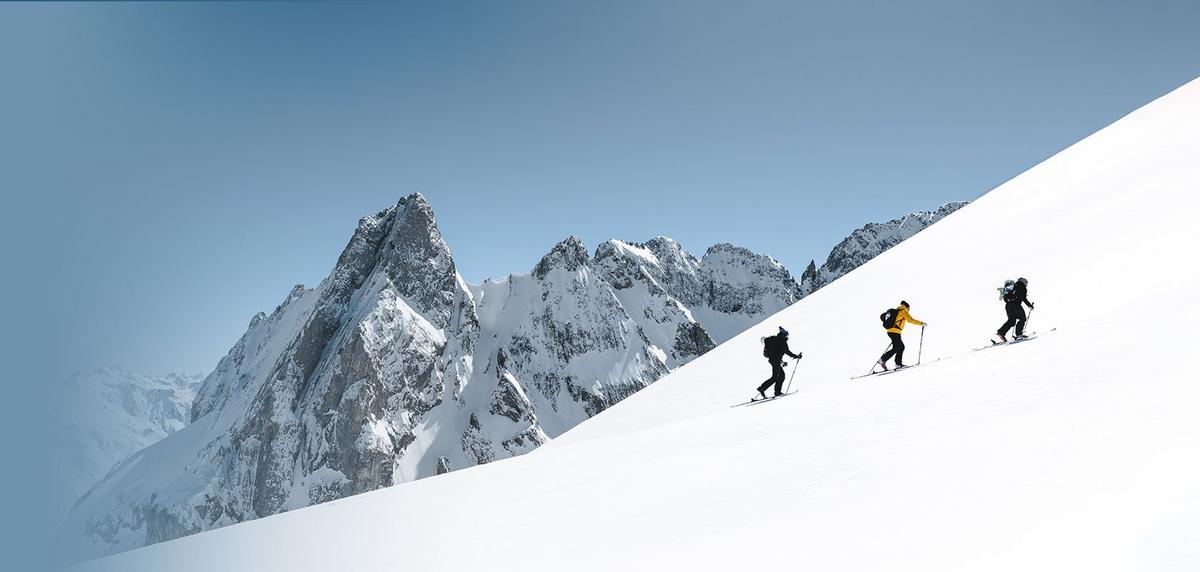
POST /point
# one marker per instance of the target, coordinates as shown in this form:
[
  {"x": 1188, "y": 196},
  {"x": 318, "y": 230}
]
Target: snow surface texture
[
  {"x": 107, "y": 414},
  {"x": 393, "y": 369},
  {"x": 1075, "y": 451}
]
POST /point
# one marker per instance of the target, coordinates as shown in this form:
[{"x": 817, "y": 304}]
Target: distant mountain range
[
  {"x": 393, "y": 368},
  {"x": 107, "y": 414}
]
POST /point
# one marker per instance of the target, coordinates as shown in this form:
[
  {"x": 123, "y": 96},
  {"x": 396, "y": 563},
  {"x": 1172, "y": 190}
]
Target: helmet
[
  {"x": 1023, "y": 281},
  {"x": 903, "y": 303}
]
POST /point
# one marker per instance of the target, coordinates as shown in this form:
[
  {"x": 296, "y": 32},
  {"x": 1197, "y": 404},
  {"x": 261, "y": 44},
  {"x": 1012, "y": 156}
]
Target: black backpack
[
  {"x": 772, "y": 348},
  {"x": 888, "y": 317}
]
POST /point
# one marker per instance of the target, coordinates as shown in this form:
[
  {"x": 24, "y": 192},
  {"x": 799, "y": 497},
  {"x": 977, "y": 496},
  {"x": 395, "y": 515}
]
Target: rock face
[
  {"x": 867, "y": 243},
  {"x": 394, "y": 369},
  {"x": 107, "y": 414}
]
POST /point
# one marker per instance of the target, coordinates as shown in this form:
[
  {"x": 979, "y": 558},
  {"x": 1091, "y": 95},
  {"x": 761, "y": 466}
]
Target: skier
[
  {"x": 1012, "y": 306},
  {"x": 894, "y": 321},
  {"x": 774, "y": 348}
]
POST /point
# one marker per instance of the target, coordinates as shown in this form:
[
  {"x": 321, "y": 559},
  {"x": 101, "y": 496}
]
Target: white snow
[{"x": 1079, "y": 450}]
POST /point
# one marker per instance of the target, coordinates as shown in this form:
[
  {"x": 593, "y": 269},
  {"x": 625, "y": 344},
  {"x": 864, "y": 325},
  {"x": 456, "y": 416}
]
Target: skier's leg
[
  {"x": 1012, "y": 318},
  {"x": 1020, "y": 319},
  {"x": 770, "y": 380},
  {"x": 898, "y": 346},
  {"x": 778, "y": 375},
  {"x": 891, "y": 349}
]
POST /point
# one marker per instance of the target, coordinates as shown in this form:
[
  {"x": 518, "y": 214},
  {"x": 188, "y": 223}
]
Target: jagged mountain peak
[
  {"x": 670, "y": 252},
  {"x": 570, "y": 255},
  {"x": 730, "y": 252},
  {"x": 722, "y": 247}
]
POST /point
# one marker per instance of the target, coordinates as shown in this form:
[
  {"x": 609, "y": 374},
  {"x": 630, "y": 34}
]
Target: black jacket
[{"x": 776, "y": 347}]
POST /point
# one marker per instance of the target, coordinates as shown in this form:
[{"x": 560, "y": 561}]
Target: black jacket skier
[
  {"x": 774, "y": 348},
  {"x": 1016, "y": 312}
]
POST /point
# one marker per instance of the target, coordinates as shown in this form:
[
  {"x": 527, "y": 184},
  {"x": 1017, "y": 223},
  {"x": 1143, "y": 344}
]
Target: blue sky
[{"x": 193, "y": 161}]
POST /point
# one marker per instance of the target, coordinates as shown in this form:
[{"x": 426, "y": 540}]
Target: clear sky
[{"x": 193, "y": 161}]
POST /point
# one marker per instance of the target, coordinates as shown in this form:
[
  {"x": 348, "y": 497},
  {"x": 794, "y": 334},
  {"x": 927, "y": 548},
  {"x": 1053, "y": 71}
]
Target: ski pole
[
  {"x": 921, "y": 347},
  {"x": 1029, "y": 317},
  {"x": 795, "y": 367}
]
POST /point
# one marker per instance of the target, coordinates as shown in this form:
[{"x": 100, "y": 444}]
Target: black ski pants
[
  {"x": 777, "y": 378},
  {"x": 1016, "y": 316},
  {"x": 897, "y": 349}
]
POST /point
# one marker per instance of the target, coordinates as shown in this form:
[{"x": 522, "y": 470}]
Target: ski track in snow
[{"x": 1076, "y": 452}]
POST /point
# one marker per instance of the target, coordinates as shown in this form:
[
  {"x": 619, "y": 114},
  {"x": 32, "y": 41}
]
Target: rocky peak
[
  {"x": 670, "y": 253},
  {"x": 417, "y": 261},
  {"x": 727, "y": 249},
  {"x": 569, "y": 255},
  {"x": 808, "y": 279}
]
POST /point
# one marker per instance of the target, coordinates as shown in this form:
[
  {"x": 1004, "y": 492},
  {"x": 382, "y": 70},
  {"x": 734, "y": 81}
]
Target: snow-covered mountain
[
  {"x": 1075, "y": 450},
  {"x": 394, "y": 369},
  {"x": 104, "y": 415},
  {"x": 868, "y": 242}
]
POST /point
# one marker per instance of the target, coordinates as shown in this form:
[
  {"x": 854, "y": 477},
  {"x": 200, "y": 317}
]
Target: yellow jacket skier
[{"x": 894, "y": 320}]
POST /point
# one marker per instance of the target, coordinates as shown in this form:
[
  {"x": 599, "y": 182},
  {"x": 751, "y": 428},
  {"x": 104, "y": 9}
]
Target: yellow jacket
[{"x": 903, "y": 316}]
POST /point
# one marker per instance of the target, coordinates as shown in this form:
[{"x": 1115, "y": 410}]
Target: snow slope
[{"x": 1074, "y": 451}]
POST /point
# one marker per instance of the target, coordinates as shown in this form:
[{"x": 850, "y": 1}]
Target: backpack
[
  {"x": 1006, "y": 290},
  {"x": 772, "y": 348},
  {"x": 888, "y": 317}
]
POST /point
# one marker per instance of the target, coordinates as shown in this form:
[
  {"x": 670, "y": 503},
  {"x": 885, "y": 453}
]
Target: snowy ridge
[
  {"x": 108, "y": 414},
  {"x": 1075, "y": 451},
  {"x": 393, "y": 369},
  {"x": 868, "y": 242}
]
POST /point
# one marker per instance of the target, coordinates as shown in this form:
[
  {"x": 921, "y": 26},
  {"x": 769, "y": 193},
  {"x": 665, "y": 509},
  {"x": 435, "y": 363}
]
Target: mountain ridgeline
[
  {"x": 393, "y": 368},
  {"x": 867, "y": 243}
]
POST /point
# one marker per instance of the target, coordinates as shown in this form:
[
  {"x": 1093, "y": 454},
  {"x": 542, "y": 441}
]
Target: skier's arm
[
  {"x": 908, "y": 318},
  {"x": 788, "y": 351}
]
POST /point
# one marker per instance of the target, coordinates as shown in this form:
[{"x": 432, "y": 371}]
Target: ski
[
  {"x": 771, "y": 398},
  {"x": 995, "y": 343},
  {"x": 884, "y": 372},
  {"x": 757, "y": 399}
]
